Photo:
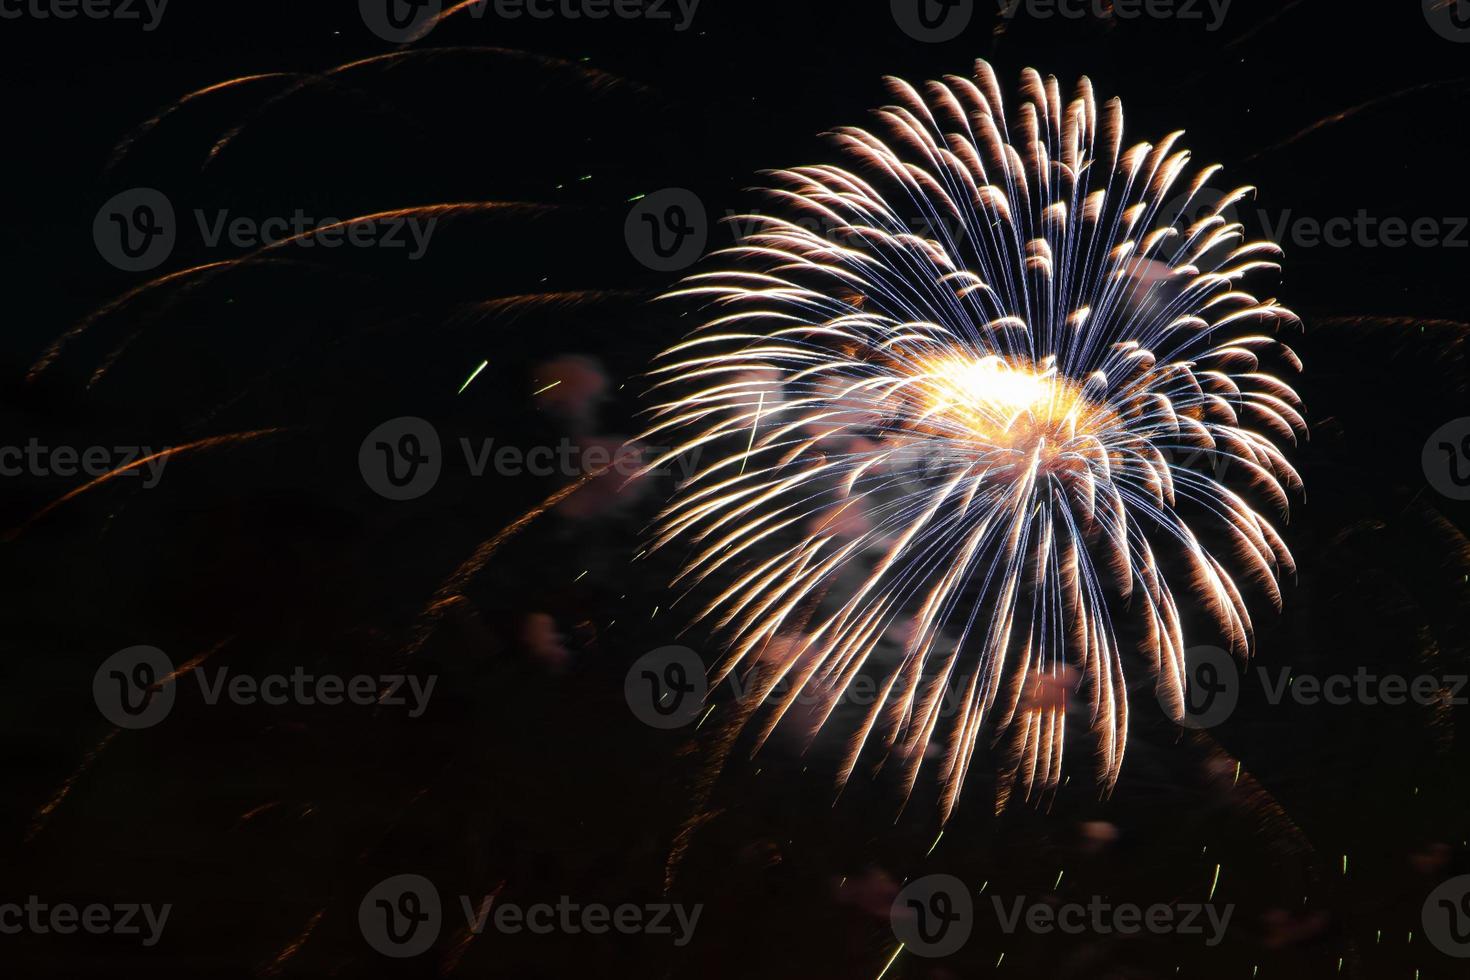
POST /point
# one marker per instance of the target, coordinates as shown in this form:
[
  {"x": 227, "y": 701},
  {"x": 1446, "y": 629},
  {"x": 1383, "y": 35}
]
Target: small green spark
[{"x": 473, "y": 375}]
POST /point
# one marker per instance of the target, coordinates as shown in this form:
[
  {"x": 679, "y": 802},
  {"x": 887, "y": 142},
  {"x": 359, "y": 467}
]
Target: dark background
[{"x": 264, "y": 826}]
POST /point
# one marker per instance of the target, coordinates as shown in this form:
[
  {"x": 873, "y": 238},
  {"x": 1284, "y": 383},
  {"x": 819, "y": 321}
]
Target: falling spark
[
  {"x": 38, "y": 822},
  {"x": 451, "y": 591},
  {"x": 760, "y": 406},
  {"x": 1213, "y": 883},
  {"x": 890, "y": 962},
  {"x": 1015, "y": 402},
  {"x": 472, "y": 377},
  {"x": 294, "y": 946},
  {"x": 547, "y": 388},
  {"x": 934, "y": 845},
  {"x": 200, "y": 445}
]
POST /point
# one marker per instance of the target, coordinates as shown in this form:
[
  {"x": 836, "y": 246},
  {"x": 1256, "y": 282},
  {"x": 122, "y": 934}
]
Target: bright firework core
[{"x": 1006, "y": 409}]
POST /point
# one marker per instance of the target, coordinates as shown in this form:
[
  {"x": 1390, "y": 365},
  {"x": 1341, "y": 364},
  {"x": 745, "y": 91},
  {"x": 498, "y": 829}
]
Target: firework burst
[{"x": 967, "y": 408}]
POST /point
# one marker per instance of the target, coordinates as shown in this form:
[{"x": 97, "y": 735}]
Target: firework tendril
[{"x": 968, "y": 408}]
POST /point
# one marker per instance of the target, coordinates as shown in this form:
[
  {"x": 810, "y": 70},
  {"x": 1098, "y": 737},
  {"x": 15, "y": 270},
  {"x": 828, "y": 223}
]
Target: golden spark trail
[
  {"x": 200, "y": 445},
  {"x": 451, "y": 592}
]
